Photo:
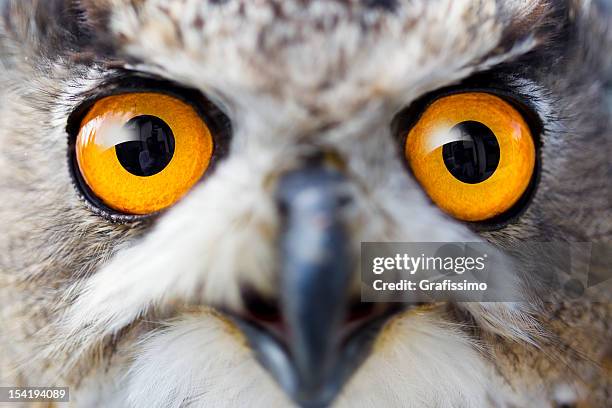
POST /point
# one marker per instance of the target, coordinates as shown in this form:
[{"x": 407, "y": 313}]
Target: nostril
[
  {"x": 283, "y": 208},
  {"x": 344, "y": 200}
]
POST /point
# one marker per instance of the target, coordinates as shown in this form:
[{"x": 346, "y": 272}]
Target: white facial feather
[{"x": 431, "y": 361}]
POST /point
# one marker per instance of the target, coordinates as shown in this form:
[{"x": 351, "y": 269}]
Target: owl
[{"x": 186, "y": 185}]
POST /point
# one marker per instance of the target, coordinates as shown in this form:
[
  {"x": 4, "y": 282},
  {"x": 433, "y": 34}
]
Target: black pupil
[
  {"x": 152, "y": 150},
  {"x": 474, "y": 158}
]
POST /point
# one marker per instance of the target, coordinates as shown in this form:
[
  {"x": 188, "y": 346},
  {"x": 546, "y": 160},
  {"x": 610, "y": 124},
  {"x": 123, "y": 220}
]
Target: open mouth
[{"x": 312, "y": 365}]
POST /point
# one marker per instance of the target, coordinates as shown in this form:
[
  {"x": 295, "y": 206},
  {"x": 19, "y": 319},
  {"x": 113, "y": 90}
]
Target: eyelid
[
  {"x": 405, "y": 119},
  {"x": 126, "y": 82}
]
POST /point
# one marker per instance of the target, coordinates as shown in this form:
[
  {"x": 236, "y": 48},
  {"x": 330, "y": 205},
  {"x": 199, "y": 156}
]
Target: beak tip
[{"x": 322, "y": 398}]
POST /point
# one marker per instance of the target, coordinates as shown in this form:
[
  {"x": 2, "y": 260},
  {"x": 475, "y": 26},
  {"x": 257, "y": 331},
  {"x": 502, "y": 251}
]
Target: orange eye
[
  {"x": 140, "y": 153},
  {"x": 473, "y": 153}
]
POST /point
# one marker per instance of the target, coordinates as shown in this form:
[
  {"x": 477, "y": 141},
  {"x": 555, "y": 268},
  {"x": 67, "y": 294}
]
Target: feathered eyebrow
[
  {"x": 79, "y": 28},
  {"x": 76, "y": 29},
  {"x": 529, "y": 25},
  {"x": 538, "y": 18}
]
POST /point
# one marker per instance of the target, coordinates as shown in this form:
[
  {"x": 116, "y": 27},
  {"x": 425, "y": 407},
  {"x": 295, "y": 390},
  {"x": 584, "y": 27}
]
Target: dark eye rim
[
  {"x": 126, "y": 83},
  {"x": 408, "y": 117}
]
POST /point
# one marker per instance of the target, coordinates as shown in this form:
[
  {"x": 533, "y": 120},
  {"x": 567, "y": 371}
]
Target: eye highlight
[
  {"x": 139, "y": 153},
  {"x": 473, "y": 153}
]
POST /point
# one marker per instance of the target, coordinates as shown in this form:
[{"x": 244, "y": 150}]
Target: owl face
[{"x": 215, "y": 261}]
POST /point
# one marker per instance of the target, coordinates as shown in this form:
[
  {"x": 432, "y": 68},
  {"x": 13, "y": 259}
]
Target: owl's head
[{"x": 186, "y": 184}]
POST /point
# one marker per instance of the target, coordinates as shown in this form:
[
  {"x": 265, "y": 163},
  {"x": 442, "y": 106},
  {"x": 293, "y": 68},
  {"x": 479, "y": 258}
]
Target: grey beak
[
  {"x": 315, "y": 355},
  {"x": 317, "y": 267}
]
